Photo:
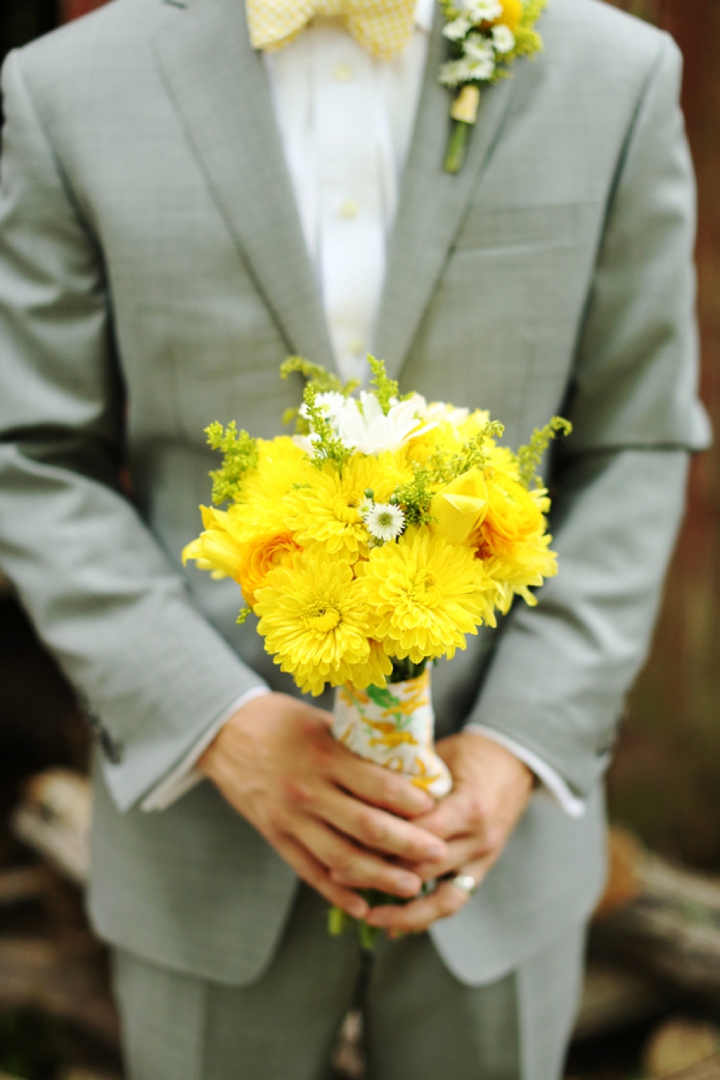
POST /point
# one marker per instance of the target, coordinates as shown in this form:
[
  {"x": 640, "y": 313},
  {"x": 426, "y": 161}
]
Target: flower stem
[
  {"x": 367, "y": 936},
  {"x": 338, "y": 921},
  {"x": 405, "y": 669},
  {"x": 457, "y": 146}
]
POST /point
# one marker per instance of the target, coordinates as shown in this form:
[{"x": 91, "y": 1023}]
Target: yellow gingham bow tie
[{"x": 383, "y": 27}]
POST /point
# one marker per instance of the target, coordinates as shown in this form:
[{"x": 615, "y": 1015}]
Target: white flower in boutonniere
[{"x": 486, "y": 37}]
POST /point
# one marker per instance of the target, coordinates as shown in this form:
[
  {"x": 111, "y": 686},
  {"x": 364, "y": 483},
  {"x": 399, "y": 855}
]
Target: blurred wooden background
[{"x": 666, "y": 776}]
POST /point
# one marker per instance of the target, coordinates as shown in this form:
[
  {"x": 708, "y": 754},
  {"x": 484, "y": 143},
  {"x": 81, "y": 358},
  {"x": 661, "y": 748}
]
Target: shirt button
[
  {"x": 342, "y": 73},
  {"x": 349, "y": 209}
]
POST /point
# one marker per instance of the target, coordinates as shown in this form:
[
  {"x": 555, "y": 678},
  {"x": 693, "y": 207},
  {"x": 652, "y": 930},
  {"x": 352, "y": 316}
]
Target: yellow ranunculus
[
  {"x": 460, "y": 507},
  {"x": 512, "y": 13},
  {"x": 259, "y": 557},
  {"x": 513, "y": 517}
]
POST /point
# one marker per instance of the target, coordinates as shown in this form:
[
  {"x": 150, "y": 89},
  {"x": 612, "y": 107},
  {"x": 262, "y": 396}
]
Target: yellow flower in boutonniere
[{"x": 486, "y": 37}]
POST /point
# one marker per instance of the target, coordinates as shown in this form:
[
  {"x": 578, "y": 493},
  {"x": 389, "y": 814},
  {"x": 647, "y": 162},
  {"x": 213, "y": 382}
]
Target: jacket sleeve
[
  {"x": 104, "y": 598},
  {"x": 561, "y": 670}
]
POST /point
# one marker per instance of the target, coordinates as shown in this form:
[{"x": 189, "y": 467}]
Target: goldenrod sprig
[
  {"x": 384, "y": 388},
  {"x": 530, "y": 456},
  {"x": 415, "y": 496},
  {"x": 322, "y": 381},
  {"x": 327, "y": 446},
  {"x": 240, "y": 453}
]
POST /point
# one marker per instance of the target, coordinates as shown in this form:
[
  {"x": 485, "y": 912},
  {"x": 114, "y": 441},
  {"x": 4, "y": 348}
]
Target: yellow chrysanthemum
[
  {"x": 504, "y": 461},
  {"x": 260, "y": 507},
  {"x": 452, "y": 429},
  {"x": 425, "y": 594},
  {"x": 314, "y": 618},
  {"x": 328, "y": 509},
  {"x": 373, "y": 671}
]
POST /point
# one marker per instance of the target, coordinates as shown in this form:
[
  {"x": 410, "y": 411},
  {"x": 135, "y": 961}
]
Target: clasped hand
[{"x": 344, "y": 824}]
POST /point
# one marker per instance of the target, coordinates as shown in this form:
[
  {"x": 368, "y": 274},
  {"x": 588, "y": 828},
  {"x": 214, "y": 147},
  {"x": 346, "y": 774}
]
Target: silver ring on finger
[{"x": 466, "y": 883}]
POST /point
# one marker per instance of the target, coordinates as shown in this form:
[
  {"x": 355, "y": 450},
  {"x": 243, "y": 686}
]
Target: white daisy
[
  {"x": 481, "y": 54},
  {"x": 384, "y": 521},
  {"x": 455, "y": 72},
  {"x": 503, "y": 38},
  {"x": 479, "y": 11},
  {"x": 331, "y": 402},
  {"x": 457, "y": 29}
]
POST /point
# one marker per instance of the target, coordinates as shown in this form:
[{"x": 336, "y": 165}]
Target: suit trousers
[{"x": 421, "y": 1023}]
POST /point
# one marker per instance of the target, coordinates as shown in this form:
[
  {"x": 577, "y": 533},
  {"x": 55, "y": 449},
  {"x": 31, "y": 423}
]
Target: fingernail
[
  {"x": 358, "y": 910},
  {"x": 437, "y": 851},
  {"x": 408, "y": 883}
]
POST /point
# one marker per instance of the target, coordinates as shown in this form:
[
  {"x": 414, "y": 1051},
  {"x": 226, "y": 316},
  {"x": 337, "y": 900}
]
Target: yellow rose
[{"x": 460, "y": 507}]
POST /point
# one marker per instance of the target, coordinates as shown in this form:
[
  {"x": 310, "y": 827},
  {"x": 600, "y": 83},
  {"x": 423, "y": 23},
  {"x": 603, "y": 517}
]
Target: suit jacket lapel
[
  {"x": 431, "y": 206},
  {"x": 220, "y": 90}
]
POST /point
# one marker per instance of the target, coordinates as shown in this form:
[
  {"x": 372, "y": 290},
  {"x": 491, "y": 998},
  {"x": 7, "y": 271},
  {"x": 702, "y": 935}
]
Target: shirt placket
[{"x": 351, "y": 232}]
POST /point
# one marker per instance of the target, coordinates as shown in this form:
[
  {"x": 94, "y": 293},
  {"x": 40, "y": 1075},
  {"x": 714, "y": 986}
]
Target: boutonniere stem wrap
[{"x": 487, "y": 37}]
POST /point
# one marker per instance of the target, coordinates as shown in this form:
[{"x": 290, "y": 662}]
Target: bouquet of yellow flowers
[{"x": 373, "y": 541}]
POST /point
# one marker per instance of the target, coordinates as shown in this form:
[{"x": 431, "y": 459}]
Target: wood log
[
  {"x": 668, "y": 926},
  {"x": 65, "y": 980},
  {"x": 706, "y": 1070},
  {"x": 54, "y": 820},
  {"x": 80, "y": 1073},
  {"x": 615, "y": 998},
  {"x": 23, "y": 884}
]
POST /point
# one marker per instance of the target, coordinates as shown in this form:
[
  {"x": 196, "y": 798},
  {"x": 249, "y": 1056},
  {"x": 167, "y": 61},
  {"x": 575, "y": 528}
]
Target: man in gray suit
[{"x": 158, "y": 260}]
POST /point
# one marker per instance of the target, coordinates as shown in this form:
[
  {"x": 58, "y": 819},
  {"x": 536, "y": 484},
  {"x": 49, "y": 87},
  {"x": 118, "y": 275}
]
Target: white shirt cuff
[
  {"x": 185, "y": 776},
  {"x": 551, "y": 781}
]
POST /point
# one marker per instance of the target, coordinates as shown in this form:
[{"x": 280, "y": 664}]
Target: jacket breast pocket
[
  {"x": 501, "y": 327},
  {"x": 519, "y": 229}
]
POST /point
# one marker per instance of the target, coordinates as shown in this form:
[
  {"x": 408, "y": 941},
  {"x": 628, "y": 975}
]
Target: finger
[
  {"x": 348, "y": 864},
  {"x": 461, "y": 853},
  {"x": 380, "y": 831},
  {"x": 453, "y": 816},
  {"x": 315, "y": 875},
  {"x": 381, "y": 787},
  {"x": 418, "y": 915}
]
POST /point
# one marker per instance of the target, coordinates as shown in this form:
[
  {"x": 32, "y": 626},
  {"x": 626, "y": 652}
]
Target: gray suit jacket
[{"x": 152, "y": 278}]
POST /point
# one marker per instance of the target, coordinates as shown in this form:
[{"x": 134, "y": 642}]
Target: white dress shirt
[{"x": 346, "y": 122}]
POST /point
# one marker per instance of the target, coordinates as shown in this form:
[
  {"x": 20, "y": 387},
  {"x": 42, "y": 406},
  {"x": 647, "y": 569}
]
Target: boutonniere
[{"x": 487, "y": 37}]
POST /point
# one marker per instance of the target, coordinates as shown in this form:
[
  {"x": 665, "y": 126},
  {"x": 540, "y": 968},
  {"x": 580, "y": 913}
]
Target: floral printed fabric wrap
[{"x": 394, "y": 727}]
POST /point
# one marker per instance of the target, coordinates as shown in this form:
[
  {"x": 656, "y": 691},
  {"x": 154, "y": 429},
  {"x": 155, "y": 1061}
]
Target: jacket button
[
  {"x": 112, "y": 749},
  {"x": 606, "y": 743}
]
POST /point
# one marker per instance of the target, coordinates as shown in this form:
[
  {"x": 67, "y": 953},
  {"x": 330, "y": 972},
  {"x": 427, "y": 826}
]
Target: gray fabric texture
[
  {"x": 152, "y": 279},
  {"x": 420, "y": 1022}
]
